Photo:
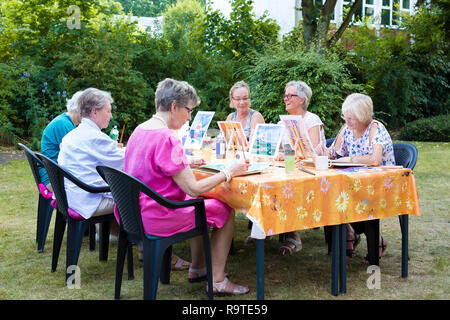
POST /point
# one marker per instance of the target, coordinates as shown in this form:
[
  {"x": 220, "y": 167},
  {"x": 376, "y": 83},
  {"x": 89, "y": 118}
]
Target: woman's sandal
[
  {"x": 220, "y": 289},
  {"x": 381, "y": 247},
  {"x": 201, "y": 275},
  {"x": 356, "y": 239},
  {"x": 286, "y": 248},
  {"x": 179, "y": 264}
]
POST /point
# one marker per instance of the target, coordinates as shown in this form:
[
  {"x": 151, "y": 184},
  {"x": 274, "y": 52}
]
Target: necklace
[{"x": 160, "y": 119}]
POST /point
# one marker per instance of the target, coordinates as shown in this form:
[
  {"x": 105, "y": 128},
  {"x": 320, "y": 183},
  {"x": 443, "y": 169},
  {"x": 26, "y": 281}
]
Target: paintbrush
[{"x": 121, "y": 135}]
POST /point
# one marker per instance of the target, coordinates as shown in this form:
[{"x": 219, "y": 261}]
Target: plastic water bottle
[
  {"x": 114, "y": 134},
  {"x": 220, "y": 146}
]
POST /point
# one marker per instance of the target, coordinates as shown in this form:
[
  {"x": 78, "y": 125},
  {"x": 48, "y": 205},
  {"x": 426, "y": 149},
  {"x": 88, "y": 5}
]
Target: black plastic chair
[
  {"x": 330, "y": 142},
  {"x": 405, "y": 154},
  {"x": 76, "y": 225},
  {"x": 157, "y": 250},
  {"x": 45, "y": 209}
]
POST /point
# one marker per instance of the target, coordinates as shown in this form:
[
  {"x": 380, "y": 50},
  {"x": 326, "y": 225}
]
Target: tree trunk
[
  {"x": 338, "y": 34},
  {"x": 309, "y": 22}
]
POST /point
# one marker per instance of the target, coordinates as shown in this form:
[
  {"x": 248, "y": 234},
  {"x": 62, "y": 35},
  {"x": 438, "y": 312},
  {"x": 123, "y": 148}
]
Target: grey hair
[
  {"x": 303, "y": 91},
  {"x": 238, "y": 85},
  {"x": 93, "y": 99},
  {"x": 72, "y": 105},
  {"x": 170, "y": 90}
]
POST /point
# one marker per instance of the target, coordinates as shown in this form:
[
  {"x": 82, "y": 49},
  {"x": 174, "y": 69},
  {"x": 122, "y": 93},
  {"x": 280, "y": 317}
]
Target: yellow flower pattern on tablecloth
[
  {"x": 342, "y": 201},
  {"x": 301, "y": 212},
  {"x": 361, "y": 207},
  {"x": 317, "y": 214},
  {"x": 370, "y": 190},
  {"x": 282, "y": 203},
  {"x": 357, "y": 185},
  {"x": 310, "y": 196},
  {"x": 383, "y": 203}
]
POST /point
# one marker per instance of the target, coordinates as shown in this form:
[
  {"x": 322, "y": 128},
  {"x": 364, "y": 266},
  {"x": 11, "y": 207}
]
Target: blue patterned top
[{"x": 361, "y": 146}]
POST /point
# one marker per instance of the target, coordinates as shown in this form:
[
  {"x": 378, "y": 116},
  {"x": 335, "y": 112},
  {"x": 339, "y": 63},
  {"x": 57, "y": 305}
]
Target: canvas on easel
[
  {"x": 197, "y": 131},
  {"x": 266, "y": 140},
  {"x": 234, "y": 134},
  {"x": 298, "y": 136}
]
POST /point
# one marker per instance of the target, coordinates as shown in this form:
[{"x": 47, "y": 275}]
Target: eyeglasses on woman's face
[
  {"x": 189, "y": 110},
  {"x": 289, "y": 96},
  {"x": 244, "y": 99}
]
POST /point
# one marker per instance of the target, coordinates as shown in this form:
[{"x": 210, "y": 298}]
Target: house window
[{"x": 386, "y": 11}]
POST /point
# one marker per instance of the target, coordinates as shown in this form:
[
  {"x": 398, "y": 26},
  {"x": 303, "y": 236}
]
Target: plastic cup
[{"x": 289, "y": 160}]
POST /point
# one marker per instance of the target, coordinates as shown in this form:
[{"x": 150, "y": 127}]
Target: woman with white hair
[
  {"x": 362, "y": 140},
  {"x": 52, "y": 136},
  {"x": 297, "y": 97},
  {"x": 85, "y": 148},
  {"x": 155, "y": 156}
]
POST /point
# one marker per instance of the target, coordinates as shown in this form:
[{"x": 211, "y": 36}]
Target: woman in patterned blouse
[{"x": 361, "y": 140}]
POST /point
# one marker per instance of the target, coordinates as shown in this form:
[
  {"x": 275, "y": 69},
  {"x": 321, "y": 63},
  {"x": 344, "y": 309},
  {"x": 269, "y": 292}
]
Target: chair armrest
[{"x": 84, "y": 186}]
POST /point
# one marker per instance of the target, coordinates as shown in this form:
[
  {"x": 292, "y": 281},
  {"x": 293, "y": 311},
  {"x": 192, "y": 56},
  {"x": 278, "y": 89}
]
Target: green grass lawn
[{"x": 25, "y": 274}]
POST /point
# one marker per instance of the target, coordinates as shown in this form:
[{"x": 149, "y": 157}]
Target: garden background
[
  {"x": 404, "y": 70},
  {"x": 43, "y": 62}
]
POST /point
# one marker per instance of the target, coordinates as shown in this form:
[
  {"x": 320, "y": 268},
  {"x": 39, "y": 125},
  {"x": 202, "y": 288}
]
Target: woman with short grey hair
[
  {"x": 93, "y": 99},
  {"x": 85, "y": 148},
  {"x": 171, "y": 90},
  {"x": 156, "y": 157},
  {"x": 297, "y": 97}
]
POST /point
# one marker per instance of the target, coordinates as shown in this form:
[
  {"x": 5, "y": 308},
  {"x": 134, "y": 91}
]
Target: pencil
[{"x": 307, "y": 171}]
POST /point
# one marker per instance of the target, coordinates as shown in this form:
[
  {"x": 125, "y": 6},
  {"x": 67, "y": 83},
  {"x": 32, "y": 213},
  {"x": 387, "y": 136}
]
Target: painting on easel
[
  {"x": 298, "y": 136},
  {"x": 233, "y": 133},
  {"x": 198, "y": 129},
  {"x": 266, "y": 140}
]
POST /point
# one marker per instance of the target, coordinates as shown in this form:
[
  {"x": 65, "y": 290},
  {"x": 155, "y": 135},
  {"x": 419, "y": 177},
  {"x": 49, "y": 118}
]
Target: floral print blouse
[{"x": 361, "y": 146}]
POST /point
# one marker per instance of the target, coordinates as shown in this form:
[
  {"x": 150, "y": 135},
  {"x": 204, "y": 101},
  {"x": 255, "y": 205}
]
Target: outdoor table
[{"x": 278, "y": 202}]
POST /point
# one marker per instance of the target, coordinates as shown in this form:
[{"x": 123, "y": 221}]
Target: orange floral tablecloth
[{"x": 277, "y": 202}]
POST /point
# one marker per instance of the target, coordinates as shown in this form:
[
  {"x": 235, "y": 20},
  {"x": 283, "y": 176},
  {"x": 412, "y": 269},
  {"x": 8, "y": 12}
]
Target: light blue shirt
[{"x": 82, "y": 150}]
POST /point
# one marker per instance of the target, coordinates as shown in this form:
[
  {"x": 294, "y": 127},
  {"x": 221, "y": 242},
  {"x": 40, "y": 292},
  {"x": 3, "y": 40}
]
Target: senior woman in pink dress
[{"x": 155, "y": 156}]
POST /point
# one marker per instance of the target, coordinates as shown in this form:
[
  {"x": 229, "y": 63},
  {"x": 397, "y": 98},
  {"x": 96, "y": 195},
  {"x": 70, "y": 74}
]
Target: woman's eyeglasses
[
  {"x": 289, "y": 96},
  {"x": 189, "y": 110},
  {"x": 241, "y": 99}
]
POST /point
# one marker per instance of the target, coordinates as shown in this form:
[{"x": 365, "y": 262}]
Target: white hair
[
  {"x": 72, "y": 103},
  {"x": 360, "y": 105}
]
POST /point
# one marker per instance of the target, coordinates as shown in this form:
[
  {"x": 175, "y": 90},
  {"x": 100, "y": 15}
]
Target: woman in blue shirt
[{"x": 55, "y": 132}]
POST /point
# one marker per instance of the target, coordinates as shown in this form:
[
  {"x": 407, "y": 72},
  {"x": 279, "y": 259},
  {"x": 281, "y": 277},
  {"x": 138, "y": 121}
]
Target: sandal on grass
[
  {"x": 201, "y": 275},
  {"x": 382, "y": 247},
  {"x": 179, "y": 264},
  {"x": 226, "y": 288},
  {"x": 355, "y": 241},
  {"x": 287, "y": 246}
]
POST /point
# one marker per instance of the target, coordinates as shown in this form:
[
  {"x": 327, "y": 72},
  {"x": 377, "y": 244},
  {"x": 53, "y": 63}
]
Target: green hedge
[{"x": 436, "y": 129}]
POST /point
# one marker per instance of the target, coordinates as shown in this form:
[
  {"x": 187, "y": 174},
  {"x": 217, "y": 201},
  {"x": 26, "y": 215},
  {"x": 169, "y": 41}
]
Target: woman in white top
[
  {"x": 86, "y": 147},
  {"x": 297, "y": 97}
]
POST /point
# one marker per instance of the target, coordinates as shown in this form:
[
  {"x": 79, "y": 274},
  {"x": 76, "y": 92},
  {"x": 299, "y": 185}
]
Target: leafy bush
[
  {"x": 406, "y": 70},
  {"x": 433, "y": 129},
  {"x": 325, "y": 74}
]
